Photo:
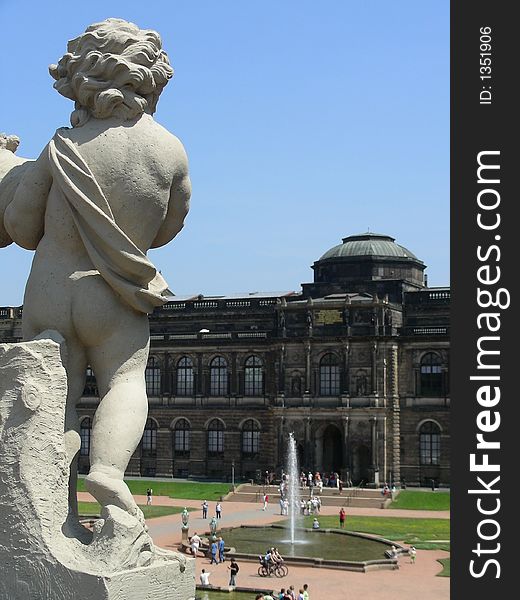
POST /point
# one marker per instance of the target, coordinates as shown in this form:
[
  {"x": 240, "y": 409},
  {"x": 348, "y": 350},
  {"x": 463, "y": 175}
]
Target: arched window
[
  {"x": 253, "y": 377},
  {"x": 250, "y": 438},
  {"x": 430, "y": 443},
  {"x": 182, "y": 438},
  {"x": 218, "y": 377},
  {"x": 431, "y": 375},
  {"x": 329, "y": 376},
  {"x": 149, "y": 441},
  {"x": 185, "y": 376},
  {"x": 85, "y": 430},
  {"x": 153, "y": 377},
  {"x": 215, "y": 438}
]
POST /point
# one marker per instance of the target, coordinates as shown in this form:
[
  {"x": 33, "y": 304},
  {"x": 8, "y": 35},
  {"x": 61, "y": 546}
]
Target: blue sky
[{"x": 304, "y": 122}]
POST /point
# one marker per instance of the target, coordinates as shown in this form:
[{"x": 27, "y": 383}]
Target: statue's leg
[
  {"x": 76, "y": 374},
  {"x": 119, "y": 365}
]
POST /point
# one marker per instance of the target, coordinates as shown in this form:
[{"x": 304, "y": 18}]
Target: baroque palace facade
[{"x": 356, "y": 365}]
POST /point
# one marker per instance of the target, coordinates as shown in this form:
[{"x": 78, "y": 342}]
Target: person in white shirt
[
  {"x": 195, "y": 543},
  {"x": 204, "y": 577}
]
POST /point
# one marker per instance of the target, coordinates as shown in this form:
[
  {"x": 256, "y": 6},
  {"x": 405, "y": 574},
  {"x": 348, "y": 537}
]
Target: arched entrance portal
[
  {"x": 332, "y": 450},
  {"x": 301, "y": 456},
  {"x": 329, "y": 449},
  {"x": 361, "y": 464}
]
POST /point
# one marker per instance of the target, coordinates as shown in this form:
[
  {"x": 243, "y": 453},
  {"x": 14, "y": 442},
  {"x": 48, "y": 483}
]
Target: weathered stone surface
[
  {"x": 99, "y": 196},
  {"x": 44, "y": 552}
]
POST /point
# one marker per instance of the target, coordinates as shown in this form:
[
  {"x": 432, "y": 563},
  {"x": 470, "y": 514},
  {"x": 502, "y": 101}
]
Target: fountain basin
[
  {"x": 210, "y": 592},
  {"x": 318, "y": 547}
]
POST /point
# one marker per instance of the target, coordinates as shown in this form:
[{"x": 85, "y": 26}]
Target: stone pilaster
[
  {"x": 396, "y": 415},
  {"x": 374, "y": 368},
  {"x": 307, "y": 367}
]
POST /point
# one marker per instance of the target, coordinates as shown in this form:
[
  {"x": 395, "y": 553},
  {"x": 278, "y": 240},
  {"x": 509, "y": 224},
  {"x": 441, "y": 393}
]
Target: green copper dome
[{"x": 369, "y": 244}]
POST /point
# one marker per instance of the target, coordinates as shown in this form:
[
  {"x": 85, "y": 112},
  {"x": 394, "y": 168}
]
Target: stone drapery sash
[{"x": 124, "y": 267}]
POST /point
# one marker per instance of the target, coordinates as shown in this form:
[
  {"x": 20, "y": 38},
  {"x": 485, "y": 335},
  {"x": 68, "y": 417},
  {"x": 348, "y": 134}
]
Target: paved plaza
[{"x": 409, "y": 582}]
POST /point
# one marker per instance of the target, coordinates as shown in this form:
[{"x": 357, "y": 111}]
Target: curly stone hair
[{"x": 113, "y": 69}]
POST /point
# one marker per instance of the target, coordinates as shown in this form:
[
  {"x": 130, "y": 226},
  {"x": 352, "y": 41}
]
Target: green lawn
[
  {"x": 415, "y": 500},
  {"x": 185, "y": 490},
  {"x": 407, "y": 530},
  {"x": 446, "y": 563},
  {"x": 433, "y": 546},
  {"x": 87, "y": 509}
]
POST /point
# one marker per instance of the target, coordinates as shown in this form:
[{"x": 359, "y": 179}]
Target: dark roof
[
  {"x": 369, "y": 244},
  {"x": 236, "y": 296}
]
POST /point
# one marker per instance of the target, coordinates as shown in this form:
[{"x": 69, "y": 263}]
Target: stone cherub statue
[
  {"x": 99, "y": 196},
  {"x": 213, "y": 528},
  {"x": 185, "y": 518}
]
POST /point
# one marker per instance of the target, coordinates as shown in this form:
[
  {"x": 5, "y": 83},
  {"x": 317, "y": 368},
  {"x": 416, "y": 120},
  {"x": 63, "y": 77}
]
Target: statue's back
[{"x": 135, "y": 164}]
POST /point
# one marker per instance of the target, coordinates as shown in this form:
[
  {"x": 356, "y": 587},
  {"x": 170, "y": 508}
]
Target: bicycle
[{"x": 276, "y": 569}]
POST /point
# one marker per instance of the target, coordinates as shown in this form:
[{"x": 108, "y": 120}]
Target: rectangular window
[
  {"x": 430, "y": 445},
  {"x": 329, "y": 381},
  {"x": 218, "y": 383},
  {"x": 215, "y": 442},
  {"x": 185, "y": 382},
  {"x": 153, "y": 381},
  {"x": 253, "y": 382},
  {"x": 250, "y": 442},
  {"x": 182, "y": 442},
  {"x": 85, "y": 441},
  {"x": 149, "y": 445}
]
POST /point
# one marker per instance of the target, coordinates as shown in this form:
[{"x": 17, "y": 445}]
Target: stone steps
[
  {"x": 363, "y": 499},
  {"x": 272, "y": 490}
]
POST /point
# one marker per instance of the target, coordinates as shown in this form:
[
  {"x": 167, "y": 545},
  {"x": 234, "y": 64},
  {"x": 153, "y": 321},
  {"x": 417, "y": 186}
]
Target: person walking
[
  {"x": 218, "y": 510},
  {"x": 266, "y": 501},
  {"x": 233, "y": 571},
  {"x": 221, "y": 549},
  {"x": 342, "y": 515},
  {"x": 205, "y": 509},
  {"x": 149, "y": 493},
  {"x": 214, "y": 550},
  {"x": 204, "y": 577},
  {"x": 413, "y": 553}
]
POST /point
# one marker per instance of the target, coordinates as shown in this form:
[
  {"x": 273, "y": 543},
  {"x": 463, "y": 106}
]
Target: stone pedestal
[{"x": 44, "y": 552}]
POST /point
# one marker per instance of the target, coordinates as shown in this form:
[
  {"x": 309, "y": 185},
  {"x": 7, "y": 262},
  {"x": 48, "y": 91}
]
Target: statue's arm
[
  {"x": 179, "y": 203},
  {"x": 12, "y": 168},
  {"x": 24, "y": 216}
]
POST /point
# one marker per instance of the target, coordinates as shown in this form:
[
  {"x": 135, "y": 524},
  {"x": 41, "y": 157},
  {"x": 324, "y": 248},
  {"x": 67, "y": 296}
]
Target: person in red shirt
[{"x": 342, "y": 515}]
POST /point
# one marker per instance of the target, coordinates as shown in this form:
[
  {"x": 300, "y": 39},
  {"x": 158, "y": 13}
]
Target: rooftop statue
[{"x": 99, "y": 196}]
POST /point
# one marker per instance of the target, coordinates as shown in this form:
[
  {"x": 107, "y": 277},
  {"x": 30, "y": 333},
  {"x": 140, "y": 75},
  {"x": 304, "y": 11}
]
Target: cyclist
[
  {"x": 276, "y": 556},
  {"x": 268, "y": 559}
]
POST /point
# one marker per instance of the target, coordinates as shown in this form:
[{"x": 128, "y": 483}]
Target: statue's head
[{"x": 113, "y": 69}]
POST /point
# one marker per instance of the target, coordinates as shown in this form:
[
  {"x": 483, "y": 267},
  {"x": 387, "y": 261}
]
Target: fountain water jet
[{"x": 293, "y": 485}]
